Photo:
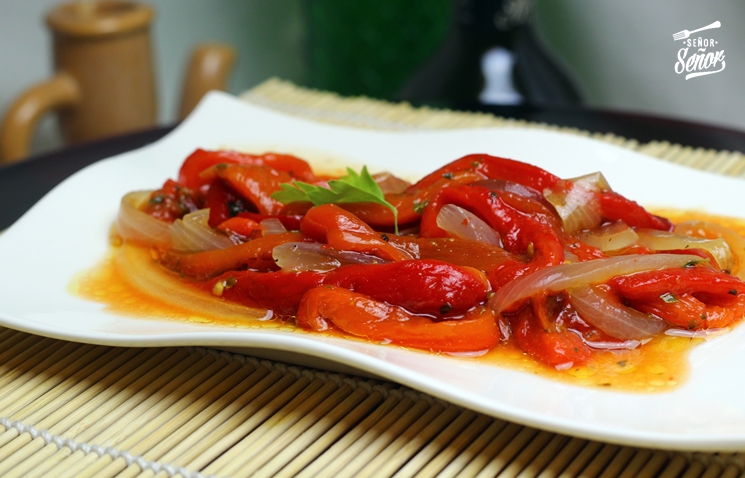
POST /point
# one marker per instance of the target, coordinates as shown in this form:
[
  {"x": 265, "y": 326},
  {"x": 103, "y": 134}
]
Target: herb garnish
[{"x": 354, "y": 187}]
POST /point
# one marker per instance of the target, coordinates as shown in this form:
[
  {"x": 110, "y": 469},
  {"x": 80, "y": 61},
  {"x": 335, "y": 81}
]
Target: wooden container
[{"x": 104, "y": 83}]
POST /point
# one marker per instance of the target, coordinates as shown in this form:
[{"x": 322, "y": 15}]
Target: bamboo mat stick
[
  {"x": 543, "y": 458},
  {"x": 654, "y": 465},
  {"x": 526, "y": 456},
  {"x": 491, "y": 450},
  {"x": 80, "y": 402},
  {"x": 168, "y": 422},
  {"x": 49, "y": 387},
  {"x": 52, "y": 389},
  {"x": 437, "y": 462},
  {"x": 207, "y": 435},
  {"x": 429, "y": 459},
  {"x": 696, "y": 469},
  {"x": 255, "y": 441},
  {"x": 508, "y": 453},
  {"x": 152, "y": 375},
  {"x": 674, "y": 467},
  {"x": 287, "y": 439},
  {"x": 417, "y": 445},
  {"x": 339, "y": 431},
  {"x": 339, "y": 414},
  {"x": 410, "y": 417},
  {"x": 619, "y": 462},
  {"x": 601, "y": 460},
  {"x": 457, "y": 466},
  {"x": 89, "y": 414},
  {"x": 280, "y": 429},
  {"x": 207, "y": 421},
  {"x": 34, "y": 370},
  {"x": 149, "y": 417},
  {"x": 268, "y": 403},
  {"x": 362, "y": 437},
  {"x": 641, "y": 457}
]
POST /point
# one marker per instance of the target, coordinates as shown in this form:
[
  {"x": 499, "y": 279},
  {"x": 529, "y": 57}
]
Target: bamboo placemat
[{"x": 69, "y": 409}]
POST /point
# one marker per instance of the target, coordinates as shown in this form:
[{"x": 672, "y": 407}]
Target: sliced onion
[
  {"x": 569, "y": 276},
  {"x": 464, "y": 224},
  {"x": 610, "y": 237},
  {"x": 709, "y": 229},
  {"x": 668, "y": 241},
  {"x": 272, "y": 226},
  {"x": 577, "y": 203},
  {"x": 310, "y": 256},
  {"x": 605, "y": 311},
  {"x": 193, "y": 234},
  {"x": 139, "y": 270},
  {"x": 514, "y": 188},
  {"x": 697, "y": 334},
  {"x": 133, "y": 224},
  {"x": 390, "y": 184}
]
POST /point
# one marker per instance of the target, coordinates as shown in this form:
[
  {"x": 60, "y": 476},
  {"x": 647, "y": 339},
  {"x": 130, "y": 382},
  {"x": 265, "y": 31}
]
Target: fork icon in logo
[{"x": 685, "y": 33}]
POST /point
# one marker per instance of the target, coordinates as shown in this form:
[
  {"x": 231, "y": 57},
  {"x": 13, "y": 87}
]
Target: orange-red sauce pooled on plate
[{"x": 485, "y": 256}]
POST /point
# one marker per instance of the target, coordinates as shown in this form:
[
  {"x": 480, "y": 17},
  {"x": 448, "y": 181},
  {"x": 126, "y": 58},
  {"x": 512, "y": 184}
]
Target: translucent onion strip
[
  {"x": 309, "y": 256},
  {"x": 570, "y": 276},
  {"x": 390, "y": 184},
  {"x": 708, "y": 229},
  {"x": 579, "y": 207},
  {"x": 697, "y": 334},
  {"x": 147, "y": 276},
  {"x": 606, "y": 312},
  {"x": 668, "y": 241},
  {"x": 610, "y": 237},
  {"x": 133, "y": 224},
  {"x": 464, "y": 224},
  {"x": 272, "y": 226},
  {"x": 193, "y": 234}
]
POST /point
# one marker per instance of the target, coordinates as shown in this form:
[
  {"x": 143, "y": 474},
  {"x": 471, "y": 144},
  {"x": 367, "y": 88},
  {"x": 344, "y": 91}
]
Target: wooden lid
[{"x": 110, "y": 17}]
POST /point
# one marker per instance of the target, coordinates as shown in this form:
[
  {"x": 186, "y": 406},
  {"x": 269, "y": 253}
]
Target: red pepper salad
[{"x": 480, "y": 251}]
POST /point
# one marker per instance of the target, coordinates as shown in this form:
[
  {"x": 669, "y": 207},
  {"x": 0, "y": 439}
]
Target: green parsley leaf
[{"x": 354, "y": 187}]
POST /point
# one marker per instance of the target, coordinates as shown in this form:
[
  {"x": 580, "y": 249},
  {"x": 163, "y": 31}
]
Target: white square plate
[{"x": 67, "y": 232}]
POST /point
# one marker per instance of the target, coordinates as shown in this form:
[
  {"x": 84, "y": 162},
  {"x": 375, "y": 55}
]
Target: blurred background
[{"x": 614, "y": 55}]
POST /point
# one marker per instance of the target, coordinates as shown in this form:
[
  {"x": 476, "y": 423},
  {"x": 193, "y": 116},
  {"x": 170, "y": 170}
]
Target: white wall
[{"x": 267, "y": 33}]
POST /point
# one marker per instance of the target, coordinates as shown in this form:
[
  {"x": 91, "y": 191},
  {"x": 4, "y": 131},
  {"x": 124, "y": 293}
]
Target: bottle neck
[{"x": 489, "y": 23}]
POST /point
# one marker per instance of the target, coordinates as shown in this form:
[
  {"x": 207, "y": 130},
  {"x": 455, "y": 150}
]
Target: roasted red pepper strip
[
  {"x": 223, "y": 203},
  {"x": 255, "y": 254},
  {"x": 421, "y": 287},
  {"x": 332, "y": 225},
  {"x": 409, "y": 204},
  {"x": 199, "y": 160},
  {"x": 358, "y": 315},
  {"x": 493, "y": 167},
  {"x": 651, "y": 285},
  {"x": 521, "y": 233},
  {"x": 240, "y": 226},
  {"x": 484, "y": 257},
  {"x": 255, "y": 184},
  {"x": 692, "y": 298},
  {"x": 171, "y": 202},
  {"x": 279, "y": 291},
  {"x": 553, "y": 347},
  {"x": 690, "y": 312},
  {"x": 615, "y": 207}
]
